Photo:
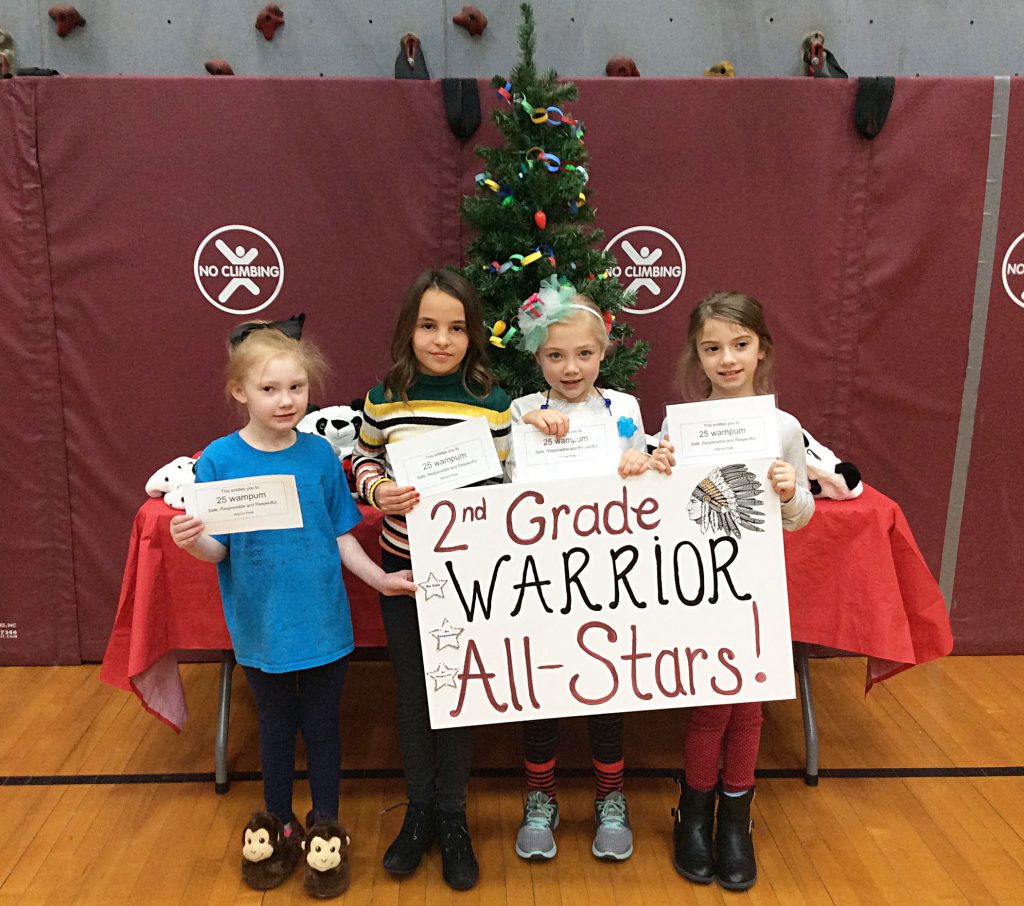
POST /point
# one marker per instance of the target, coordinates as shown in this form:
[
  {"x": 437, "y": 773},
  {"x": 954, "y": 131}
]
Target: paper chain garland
[
  {"x": 553, "y": 116},
  {"x": 501, "y": 333},
  {"x": 553, "y": 163},
  {"x": 518, "y": 262},
  {"x": 485, "y": 180}
]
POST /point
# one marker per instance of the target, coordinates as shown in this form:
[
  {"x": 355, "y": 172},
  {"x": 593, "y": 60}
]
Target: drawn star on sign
[
  {"x": 433, "y": 587},
  {"x": 443, "y": 675},
  {"x": 447, "y": 636}
]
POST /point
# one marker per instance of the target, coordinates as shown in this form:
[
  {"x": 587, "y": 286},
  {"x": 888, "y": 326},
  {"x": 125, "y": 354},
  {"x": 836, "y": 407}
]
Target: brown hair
[
  {"x": 260, "y": 346},
  {"x": 476, "y": 375},
  {"x": 739, "y": 309}
]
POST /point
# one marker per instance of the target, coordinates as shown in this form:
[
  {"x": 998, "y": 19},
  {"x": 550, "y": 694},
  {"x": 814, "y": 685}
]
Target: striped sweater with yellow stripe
[{"x": 434, "y": 402}]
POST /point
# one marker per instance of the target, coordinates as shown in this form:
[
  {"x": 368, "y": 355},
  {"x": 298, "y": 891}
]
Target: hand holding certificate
[
  {"x": 715, "y": 430},
  {"x": 587, "y": 448},
  {"x": 245, "y": 504},
  {"x": 446, "y": 458}
]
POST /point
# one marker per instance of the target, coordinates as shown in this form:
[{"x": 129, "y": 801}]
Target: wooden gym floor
[{"x": 921, "y": 799}]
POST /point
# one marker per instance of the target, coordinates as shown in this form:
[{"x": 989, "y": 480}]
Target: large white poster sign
[{"x": 602, "y": 596}]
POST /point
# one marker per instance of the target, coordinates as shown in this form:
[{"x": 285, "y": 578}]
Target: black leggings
[
  {"x": 540, "y": 737},
  {"x": 436, "y": 762},
  {"x": 309, "y": 699}
]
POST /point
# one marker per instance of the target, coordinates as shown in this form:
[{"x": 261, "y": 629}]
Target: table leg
[
  {"x": 803, "y": 670},
  {"x": 220, "y": 752}
]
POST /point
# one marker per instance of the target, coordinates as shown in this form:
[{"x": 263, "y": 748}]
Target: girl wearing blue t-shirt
[{"x": 284, "y": 599}]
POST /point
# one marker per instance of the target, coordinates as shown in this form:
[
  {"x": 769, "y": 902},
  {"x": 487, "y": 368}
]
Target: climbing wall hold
[
  {"x": 471, "y": 19},
  {"x": 67, "y": 18},
  {"x": 269, "y": 20}
]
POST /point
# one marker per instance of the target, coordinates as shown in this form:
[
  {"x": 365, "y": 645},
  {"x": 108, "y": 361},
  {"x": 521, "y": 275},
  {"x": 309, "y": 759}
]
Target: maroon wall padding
[
  {"x": 987, "y": 614},
  {"x": 911, "y": 299},
  {"x": 847, "y": 242},
  {"x": 38, "y": 622},
  {"x": 355, "y": 181},
  {"x": 864, "y": 254}
]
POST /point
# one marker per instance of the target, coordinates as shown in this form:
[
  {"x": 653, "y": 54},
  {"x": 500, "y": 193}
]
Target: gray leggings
[{"x": 436, "y": 762}]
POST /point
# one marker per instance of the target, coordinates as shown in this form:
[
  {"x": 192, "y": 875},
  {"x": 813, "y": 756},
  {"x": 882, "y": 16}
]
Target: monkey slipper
[
  {"x": 270, "y": 852},
  {"x": 326, "y": 848}
]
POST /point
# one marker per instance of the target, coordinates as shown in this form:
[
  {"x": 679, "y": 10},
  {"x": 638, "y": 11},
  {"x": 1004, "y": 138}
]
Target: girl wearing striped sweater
[{"x": 439, "y": 377}]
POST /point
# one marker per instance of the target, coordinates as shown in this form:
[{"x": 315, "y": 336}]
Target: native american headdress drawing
[{"x": 725, "y": 500}]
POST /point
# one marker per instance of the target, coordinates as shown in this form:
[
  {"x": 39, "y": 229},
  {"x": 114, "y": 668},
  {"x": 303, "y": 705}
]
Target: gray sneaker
[
  {"x": 614, "y": 837},
  {"x": 535, "y": 839}
]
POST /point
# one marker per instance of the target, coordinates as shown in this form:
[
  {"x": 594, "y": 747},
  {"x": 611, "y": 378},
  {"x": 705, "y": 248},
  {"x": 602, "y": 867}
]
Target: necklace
[{"x": 607, "y": 402}]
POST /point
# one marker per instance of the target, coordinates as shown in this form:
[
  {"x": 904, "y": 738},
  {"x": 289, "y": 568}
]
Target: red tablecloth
[
  {"x": 858, "y": 582},
  {"x": 170, "y": 601}
]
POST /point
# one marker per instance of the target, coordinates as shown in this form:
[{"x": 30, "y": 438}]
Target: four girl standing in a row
[{"x": 439, "y": 377}]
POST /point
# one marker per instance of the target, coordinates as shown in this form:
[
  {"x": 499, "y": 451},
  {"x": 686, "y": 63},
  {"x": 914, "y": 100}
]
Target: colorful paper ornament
[
  {"x": 579, "y": 202},
  {"x": 485, "y": 180},
  {"x": 501, "y": 334}
]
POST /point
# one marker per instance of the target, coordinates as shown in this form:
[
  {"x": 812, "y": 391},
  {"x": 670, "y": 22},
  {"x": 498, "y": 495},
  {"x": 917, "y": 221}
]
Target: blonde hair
[
  {"x": 260, "y": 346},
  {"x": 739, "y": 309},
  {"x": 593, "y": 317}
]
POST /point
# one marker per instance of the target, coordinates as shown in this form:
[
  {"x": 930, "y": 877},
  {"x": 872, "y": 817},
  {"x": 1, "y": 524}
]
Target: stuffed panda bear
[
  {"x": 828, "y": 475},
  {"x": 338, "y": 424}
]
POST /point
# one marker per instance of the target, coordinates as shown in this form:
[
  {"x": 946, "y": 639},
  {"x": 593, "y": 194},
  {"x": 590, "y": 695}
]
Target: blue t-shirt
[{"x": 284, "y": 600}]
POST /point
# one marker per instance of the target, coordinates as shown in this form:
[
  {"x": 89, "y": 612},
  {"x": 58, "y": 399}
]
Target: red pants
[{"x": 730, "y": 731}]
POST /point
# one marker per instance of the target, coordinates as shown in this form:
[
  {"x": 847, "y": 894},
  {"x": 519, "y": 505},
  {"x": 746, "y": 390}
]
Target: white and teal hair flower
[{"x": 551, "y": 304}]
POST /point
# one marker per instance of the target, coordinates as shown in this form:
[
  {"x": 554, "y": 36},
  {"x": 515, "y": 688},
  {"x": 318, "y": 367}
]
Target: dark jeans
[
  {"x": 436, "y": 762},
  {"x": 309, "y": 699}
]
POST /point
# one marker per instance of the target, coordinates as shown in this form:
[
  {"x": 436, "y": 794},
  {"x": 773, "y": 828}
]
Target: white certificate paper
[
  {"x": 245, "y": 504},
  {"x": 588, "y": 448},
  {"x": 445, "y": 459},
  {"x": 713, "y": 430}
]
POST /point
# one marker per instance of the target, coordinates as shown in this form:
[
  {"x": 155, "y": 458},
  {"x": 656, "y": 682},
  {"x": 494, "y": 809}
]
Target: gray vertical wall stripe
[{"x": 976, "y": 342}]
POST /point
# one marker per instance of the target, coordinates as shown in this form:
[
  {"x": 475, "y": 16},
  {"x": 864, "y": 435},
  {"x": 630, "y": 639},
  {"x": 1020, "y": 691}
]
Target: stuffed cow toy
[
  {"x": 828, "y": 475},
  {"x": 168, "y": 482}
]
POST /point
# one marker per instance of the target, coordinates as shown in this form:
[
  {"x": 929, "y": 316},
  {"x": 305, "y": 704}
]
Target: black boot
[
  {"x": 734, "y": 842},
  {"x": 691, "y": 834},
  {"x": 458, "y": 864},
  {"x": 413, "y": 840}
]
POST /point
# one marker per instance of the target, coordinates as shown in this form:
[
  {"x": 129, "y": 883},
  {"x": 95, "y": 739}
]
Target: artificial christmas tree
[{"x": 530, "y": 215}]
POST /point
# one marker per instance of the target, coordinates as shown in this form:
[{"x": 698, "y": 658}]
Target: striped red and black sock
[
  {"x": 541, "y": 776},
  {"x": 608, "y": 777}
]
